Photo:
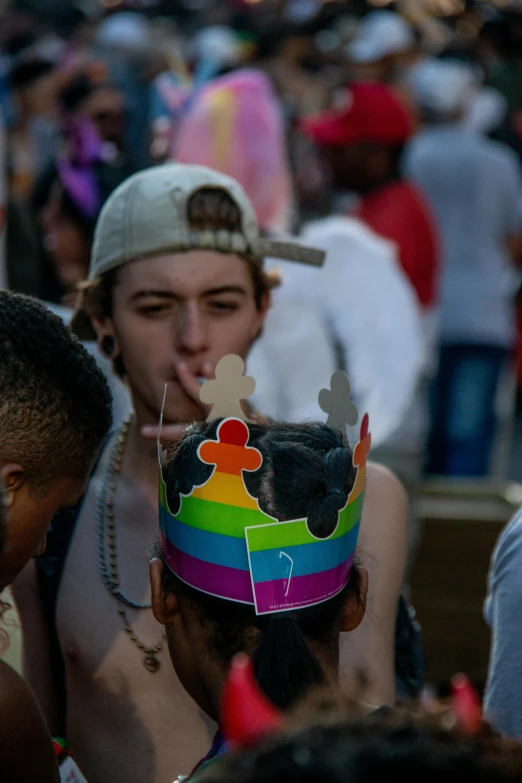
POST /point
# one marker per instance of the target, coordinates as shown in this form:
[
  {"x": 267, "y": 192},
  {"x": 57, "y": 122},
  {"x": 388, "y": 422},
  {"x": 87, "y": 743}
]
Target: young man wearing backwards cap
[{"x": 176, "y": 282}]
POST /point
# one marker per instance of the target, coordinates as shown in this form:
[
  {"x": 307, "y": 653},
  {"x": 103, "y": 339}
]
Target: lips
[{"x": 201, "y": 379}]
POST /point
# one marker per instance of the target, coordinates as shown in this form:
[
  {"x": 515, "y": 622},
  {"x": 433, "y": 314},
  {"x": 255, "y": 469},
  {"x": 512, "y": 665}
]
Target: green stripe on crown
[
  {"x": 220, "y": 518},
  {"x": 294, "y": 534},
  {"x": 232, "y": 521}
]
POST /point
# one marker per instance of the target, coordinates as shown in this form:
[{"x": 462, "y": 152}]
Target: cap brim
[
  {"x": 82, "y": 326},
  {"x": 290, "y": 251}
]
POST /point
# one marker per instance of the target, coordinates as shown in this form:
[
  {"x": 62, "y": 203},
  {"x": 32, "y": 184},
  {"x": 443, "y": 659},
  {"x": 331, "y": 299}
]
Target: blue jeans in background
[{"x": 463, "y": 420}]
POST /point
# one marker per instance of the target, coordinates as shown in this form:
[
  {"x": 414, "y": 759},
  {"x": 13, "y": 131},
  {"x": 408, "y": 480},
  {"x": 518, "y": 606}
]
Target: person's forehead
[{"x": 185, "y": 273}]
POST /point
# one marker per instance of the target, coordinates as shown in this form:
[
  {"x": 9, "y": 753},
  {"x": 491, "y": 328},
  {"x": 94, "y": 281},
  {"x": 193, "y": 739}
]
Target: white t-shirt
[
  {"x": 474, "y": 186},
  {"x": 362, "y": 300}
]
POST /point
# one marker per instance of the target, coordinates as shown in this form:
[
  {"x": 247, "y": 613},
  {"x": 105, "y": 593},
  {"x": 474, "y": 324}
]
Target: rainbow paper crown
[{"x": 221, "y": 543}]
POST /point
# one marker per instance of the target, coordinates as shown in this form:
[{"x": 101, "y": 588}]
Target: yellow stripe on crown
[
  {"x": 360, "y": 484},
  {"x": 228, "y": 489}
]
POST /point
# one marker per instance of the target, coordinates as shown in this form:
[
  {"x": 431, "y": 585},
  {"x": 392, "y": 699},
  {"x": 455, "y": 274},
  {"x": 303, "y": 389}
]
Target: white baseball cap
[
  {"x": 379, "y": 34},
  {"x": 147, "y": 215},
  {"x": 217, "y": 44},
  {"x": 443, "y": 87}
]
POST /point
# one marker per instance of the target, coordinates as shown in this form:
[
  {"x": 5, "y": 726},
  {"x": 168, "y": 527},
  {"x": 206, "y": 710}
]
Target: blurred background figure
[
  {"x": 70, "y": 192},
  {"x": 474, "y": 187},
  {"x": 33, "y": 140},
  {"x": 499, "y": 51},
  {"x": 363, "y": 139},
  {"x": 3, "y": 199},
  {"x": 384, "y": 47}
]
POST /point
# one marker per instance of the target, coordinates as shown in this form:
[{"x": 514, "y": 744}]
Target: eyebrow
[{"x": 157, "y": 294}]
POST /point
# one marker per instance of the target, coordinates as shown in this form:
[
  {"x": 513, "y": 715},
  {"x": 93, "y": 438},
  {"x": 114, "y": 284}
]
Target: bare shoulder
[
  {"x": 383, "y": 537},
  {"x": 385, "y": 493},
  {"x": 26, "y": 752}
]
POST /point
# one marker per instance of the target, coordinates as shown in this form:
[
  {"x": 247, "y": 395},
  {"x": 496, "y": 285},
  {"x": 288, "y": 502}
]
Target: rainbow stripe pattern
[{"x": 221, "y": 543}]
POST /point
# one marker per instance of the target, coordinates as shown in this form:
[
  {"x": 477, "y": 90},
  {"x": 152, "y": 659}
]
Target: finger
[
  {"x": 209, "y": 370},
  {"x": 190, "y": 384},
  {"x": 169, "y": 432},
  {"x": 258, "y": 418}
]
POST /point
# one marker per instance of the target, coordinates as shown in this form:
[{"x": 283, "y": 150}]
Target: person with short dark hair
[{"x": 55, "y": 411}]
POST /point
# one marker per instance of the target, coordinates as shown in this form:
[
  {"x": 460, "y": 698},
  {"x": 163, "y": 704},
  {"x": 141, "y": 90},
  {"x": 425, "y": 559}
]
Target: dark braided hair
[
  {"x": 308, "y": 472},
  {"x": 55, "y": 405}
]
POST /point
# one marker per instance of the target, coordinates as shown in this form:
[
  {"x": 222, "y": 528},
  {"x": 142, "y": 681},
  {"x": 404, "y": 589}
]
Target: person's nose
[{"x": 191, "y": 331}]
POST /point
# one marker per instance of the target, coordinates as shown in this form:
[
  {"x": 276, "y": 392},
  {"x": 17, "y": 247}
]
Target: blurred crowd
[{"x": 405, "y": 123}]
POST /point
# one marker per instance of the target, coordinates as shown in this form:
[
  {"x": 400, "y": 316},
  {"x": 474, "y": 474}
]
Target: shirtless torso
[
  {"x": 125, "y": 724},
  {"x": 128, "y": 725}
]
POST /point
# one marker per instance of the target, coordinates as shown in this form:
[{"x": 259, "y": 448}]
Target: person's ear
[
  {"x": 262, "y": 309},
  {"x": 12, "y": 476},
  {"x": 265, "y": 302},
  {"x": 355, "y": 607},
  {"x": 165, "y": 606},
  {"x": 106, "y": 338}
]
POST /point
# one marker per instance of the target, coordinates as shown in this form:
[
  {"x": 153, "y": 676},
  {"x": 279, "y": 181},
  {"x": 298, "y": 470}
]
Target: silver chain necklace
[
  {"x": 109, "y": 571},
  {"x": 105, "y": 507}
]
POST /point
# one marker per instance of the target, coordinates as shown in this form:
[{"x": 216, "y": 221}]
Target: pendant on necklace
[{"x": 151, "y": 663}]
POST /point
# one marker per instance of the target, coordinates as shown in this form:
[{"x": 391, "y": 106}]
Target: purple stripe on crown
[
  {"x": 302, "y": 590},
  {"x": 232, "y": 584}
]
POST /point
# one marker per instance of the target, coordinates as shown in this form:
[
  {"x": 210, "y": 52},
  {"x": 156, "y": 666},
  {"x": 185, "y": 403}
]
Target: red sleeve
[{"x": 401, "y": 216}]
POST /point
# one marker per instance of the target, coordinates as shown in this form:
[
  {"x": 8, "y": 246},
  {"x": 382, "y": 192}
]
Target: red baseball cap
[{"x": 371, "y": 112}]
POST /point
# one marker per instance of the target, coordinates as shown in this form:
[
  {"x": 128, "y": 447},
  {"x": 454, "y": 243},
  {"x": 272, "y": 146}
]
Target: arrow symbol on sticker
[{"x": 283, "y": 554}]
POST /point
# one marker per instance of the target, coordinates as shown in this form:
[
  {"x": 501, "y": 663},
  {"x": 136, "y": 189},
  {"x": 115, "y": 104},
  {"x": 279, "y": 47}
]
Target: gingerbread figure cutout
[
  {"x": 337, "y": 404},
  {"x": 228, "y": 389},
  {"x": 230, "y": 453}
]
